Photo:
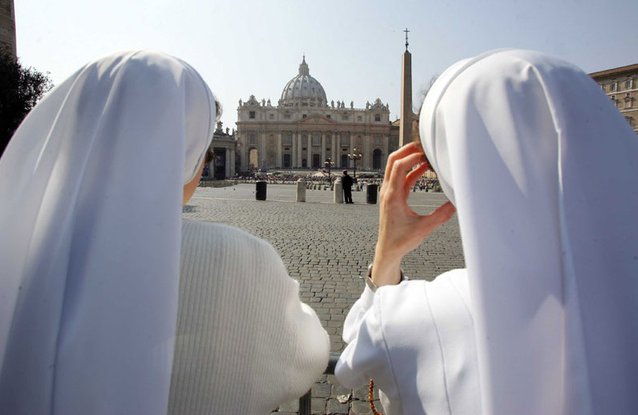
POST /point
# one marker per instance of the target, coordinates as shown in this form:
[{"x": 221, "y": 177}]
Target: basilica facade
[{"x": 304, "y": 130}]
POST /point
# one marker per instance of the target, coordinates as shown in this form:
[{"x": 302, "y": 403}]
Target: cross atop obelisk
[
  {"x": 405, "y": 123},
  {"x": 406, "y": 38}
]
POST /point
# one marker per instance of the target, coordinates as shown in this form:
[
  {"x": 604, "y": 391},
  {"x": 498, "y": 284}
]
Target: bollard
[
  {"x": 260, "y": 190},
  {"x": 301, "y": 190},
  {"x": 371, "y": 194},
  {"x": 338, "y": 191}
]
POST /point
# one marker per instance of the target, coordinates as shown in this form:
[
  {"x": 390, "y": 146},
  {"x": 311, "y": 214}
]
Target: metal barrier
[{"x": 305, "y": 401}]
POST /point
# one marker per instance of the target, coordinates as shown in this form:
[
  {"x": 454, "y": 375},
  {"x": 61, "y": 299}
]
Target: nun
[
  {"x": 94, "y": 316},
  {"x": 541, "y": 169}
]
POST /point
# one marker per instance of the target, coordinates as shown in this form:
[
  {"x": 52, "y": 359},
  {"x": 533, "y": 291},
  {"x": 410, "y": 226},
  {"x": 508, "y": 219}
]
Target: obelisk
[
  {"x": 8, "y": 32},
  {"x": 405, "y": 123}
]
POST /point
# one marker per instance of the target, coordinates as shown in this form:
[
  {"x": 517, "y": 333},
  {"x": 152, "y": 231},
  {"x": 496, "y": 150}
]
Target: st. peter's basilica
[{"x": 303, "y": 130}]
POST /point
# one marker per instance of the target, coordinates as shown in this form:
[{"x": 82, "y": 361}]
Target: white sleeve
[
  {"x": 246, "y": 343},
  {"x": 366, "y": 355}
]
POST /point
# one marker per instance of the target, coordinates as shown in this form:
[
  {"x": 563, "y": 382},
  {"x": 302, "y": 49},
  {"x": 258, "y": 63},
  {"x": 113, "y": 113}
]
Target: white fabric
[
  {"x": 91, "y": 190},
  {"x": 542, "y": 169},
  {"x": 245, "y": 342},
  {"x": 416, "y": 341}
]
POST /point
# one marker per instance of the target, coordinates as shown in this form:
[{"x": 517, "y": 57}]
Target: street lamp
[
  {"x": 329, "y": 164},
  {"x": 354, "y": 156}
]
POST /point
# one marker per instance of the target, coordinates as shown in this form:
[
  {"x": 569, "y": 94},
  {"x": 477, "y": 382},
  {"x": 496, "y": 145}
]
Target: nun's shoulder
[{"x": 210, "y": 235}]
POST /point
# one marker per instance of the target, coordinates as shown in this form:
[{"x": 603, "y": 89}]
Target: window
[
  {"x": 328, "y": 116},
  {"x": 344, "y": 117},
  {"x": 252, "y": 138},
  {"x": 272, "y": 116},
  {"x": 359, "y": 118},
  {"x": 629, "y": 102},
  {"x": 287, "y": 138},
  {"x": 614, "y": 87},
  {"x": 377, "y": 140},
  {"x": 316, "y": 139},
  {"x": 251, "y": 115},
  {"x": 286, "y": 116},
  {"x": 377, "y": 117},
  {"x": 376, "y": 159},
  {"x": 303, "y": 116},
  {"x": 629, "y": 83}
]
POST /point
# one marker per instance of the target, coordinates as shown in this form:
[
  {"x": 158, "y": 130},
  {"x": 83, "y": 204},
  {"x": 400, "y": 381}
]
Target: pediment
[{"x": 318, "y": 119}]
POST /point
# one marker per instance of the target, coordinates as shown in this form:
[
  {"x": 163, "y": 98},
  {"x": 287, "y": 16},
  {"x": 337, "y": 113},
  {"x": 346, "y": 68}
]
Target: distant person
[
  {"x": 94, "y": 315},
  {"x": 544, "y": 318},
  {"x": 346, "y": 183}
]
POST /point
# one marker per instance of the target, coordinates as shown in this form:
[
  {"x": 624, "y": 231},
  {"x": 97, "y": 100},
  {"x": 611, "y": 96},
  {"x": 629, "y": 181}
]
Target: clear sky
[{"x": 353, "y": 47}]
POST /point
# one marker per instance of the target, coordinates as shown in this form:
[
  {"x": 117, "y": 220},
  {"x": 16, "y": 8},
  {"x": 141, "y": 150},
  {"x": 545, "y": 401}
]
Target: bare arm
[{"x": 401, "y": 229}]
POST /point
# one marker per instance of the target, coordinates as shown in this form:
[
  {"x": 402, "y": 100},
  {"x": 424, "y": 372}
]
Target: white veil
[
  {"x": 90, "y": 210},
  {"x": 542, "y": 169}
]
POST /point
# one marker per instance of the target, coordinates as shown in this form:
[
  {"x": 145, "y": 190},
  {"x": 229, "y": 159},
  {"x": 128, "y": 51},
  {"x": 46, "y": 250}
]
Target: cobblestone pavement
[{"x": 326, "y": 247}]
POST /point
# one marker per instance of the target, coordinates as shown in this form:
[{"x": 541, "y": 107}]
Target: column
[
  {"x": 367, "y": 155},
  {"x": 336, "y": 152},
  {"x": 243, "y": 154},
  {"x": 386, "y": 151},
  {"x": 232, "y": 161},
  {"x": 293, "y": 150},
  {"x": 339, "y": 151},
  {"x": 299, "y": 150},
  {"x": 261, "y": 145},
  {"x": 309, "y": 152},
  {"x": 227, "y": 164},
  {"x": 279, "y": 163},
  {"x": 323, "y": 147}
]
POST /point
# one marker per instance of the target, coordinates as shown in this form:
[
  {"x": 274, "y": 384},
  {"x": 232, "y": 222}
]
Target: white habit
[
  {"x": 91, "y": 189},
  {"x": 542, "y": 169},
  {"x": 245, "y": 343},
  {"x": 416, "y": 341}
]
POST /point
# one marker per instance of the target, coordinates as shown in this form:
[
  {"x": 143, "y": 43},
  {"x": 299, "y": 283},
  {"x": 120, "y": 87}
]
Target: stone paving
[{"x": 326, "y": 247}]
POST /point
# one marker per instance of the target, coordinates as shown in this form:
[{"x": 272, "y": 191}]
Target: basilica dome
[{"x": 303, "y": 90}]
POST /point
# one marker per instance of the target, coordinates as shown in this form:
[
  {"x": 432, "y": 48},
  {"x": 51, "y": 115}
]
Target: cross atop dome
[{"x": 303, "y": 67}]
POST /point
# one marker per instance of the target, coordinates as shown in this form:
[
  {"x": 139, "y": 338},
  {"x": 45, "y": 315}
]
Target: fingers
[
  {"x": 399, "y": 154},
  {"x": 402, "y": 167},
  {"x": 438, "y": 217},
  {"x": 415, "y": 175}
]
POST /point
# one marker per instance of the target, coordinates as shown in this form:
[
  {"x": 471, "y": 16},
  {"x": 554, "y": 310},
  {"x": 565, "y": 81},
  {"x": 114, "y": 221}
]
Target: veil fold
[
  {"x": 542, "y": 169},
  {"x": 91, "y": 187}
]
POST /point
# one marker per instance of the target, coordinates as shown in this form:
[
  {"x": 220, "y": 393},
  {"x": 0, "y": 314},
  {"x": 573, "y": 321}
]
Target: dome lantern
[{"x": 303, "y": 90}]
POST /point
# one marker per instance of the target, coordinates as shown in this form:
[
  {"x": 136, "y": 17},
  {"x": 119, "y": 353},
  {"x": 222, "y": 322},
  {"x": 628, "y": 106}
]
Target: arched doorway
[
  {"x": 344, "y": 161},
  {"x": 376, "y": 159},
  {"x": 253, "y": 158}
]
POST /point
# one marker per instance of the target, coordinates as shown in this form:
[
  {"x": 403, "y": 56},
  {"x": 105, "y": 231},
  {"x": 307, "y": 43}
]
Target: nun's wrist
[{"x": 382, "y": 272}]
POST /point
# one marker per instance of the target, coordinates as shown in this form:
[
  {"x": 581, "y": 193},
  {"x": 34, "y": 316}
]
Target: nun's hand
[{"x": 401, "y": 229}]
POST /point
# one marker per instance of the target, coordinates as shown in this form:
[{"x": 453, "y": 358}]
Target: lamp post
[
  {"x": 328, "y": 165},
  {"x": 354, "y": 156}
]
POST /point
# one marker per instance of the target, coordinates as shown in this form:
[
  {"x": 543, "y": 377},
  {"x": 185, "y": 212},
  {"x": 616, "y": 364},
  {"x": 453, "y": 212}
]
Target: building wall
[
  {"x": 621, "y": 86},
  {"x": 7, "y": 27},
  {"x": 224, "y": 147},
  {"x": 298, "y": 137}
]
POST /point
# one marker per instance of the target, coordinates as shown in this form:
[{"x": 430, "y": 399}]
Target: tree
[{"x": 20, "y": 89}]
